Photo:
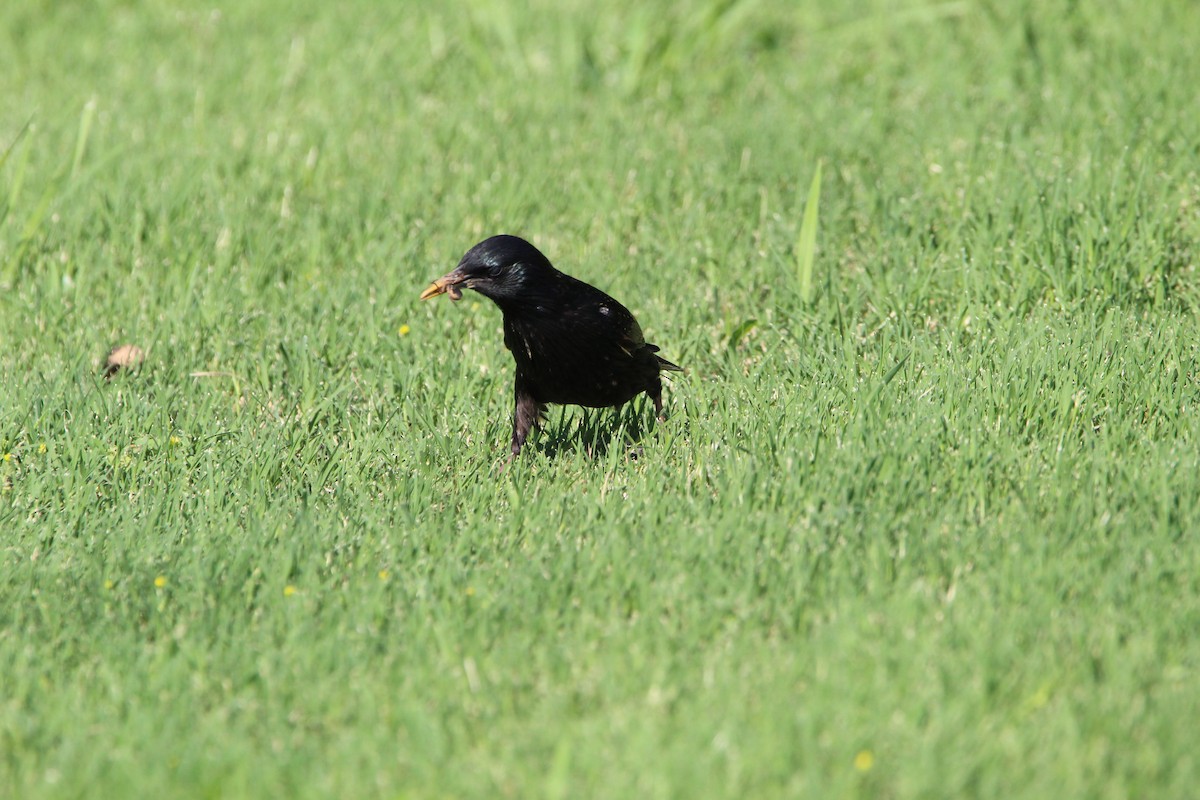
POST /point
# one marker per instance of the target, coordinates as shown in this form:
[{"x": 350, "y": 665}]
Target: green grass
[{"x": 928, "y": 533}]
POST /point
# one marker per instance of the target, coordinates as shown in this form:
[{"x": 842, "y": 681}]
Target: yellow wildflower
[
  {"x": 404, "y": 330},
  {"x": 864, "y": 760},
  {"x": 289, "y": 590},
  {"x": 160, "y": 581}
]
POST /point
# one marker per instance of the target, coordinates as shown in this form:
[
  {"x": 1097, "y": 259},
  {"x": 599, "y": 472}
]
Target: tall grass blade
[
  {"x": 85, "y": 130},
  {"x": 14, "y": 189},
  {"x": 8, "y": 151},
  {"x": 806, "y": 244}
]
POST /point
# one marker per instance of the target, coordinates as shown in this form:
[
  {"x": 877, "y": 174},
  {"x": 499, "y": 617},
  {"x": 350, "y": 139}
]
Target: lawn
[{"x": 923, "y": 526}]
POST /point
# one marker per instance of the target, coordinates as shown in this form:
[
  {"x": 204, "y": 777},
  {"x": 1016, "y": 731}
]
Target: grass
[{"x": 928, "y": 533}]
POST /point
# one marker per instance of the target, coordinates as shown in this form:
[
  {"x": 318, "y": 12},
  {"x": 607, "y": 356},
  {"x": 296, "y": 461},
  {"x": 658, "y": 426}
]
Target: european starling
[{"x": 573, "y": 344}]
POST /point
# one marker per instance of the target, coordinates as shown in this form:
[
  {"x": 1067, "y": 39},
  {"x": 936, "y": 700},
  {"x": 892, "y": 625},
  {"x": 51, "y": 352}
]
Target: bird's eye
[{"x": 495, "y": 270}]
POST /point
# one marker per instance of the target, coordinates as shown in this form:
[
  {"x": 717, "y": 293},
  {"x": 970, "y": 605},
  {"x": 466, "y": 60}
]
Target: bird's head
[{"x": 501, "y": 268}]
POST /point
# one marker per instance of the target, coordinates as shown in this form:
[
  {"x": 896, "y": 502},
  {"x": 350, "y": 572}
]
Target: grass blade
[
  {"x": 14, "y": 190},
  {"x": 8, "y": 151},
  {"x": 806, "y": 244},
  {"x": 85, "y": 130}
]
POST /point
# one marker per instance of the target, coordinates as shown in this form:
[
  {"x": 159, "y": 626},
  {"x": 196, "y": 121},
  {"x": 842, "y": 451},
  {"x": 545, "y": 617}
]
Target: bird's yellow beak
[{"x": 447, "y": 284}]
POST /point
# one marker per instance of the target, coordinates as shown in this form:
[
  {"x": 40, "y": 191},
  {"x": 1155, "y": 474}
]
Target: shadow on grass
[{"x": 596, "y": 432}]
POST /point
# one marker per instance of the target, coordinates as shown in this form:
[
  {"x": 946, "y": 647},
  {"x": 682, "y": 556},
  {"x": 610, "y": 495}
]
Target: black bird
[{"x": 573, "y": 344}]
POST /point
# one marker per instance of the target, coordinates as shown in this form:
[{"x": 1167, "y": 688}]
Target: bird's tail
[{"x": 667, "y": 366}]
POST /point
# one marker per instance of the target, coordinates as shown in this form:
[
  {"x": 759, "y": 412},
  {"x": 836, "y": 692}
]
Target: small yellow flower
[
  {"x": 174, "y": 440},
  {"x": 404, "y": 329},
  {"x": 289, "y": 590},
  {"x": 160, "y": 581},
  {"x": 8, "y": 456},
  {"x": 384, "y": 574},
  {"x": 864, "y": 760},
  {"x": 108, "y": 584},
  {"x": 470, "y": 591},
  {"x": 42, "y": 448}
]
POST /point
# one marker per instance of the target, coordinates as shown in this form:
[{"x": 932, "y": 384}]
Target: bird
[{"x": 572, "y": 343}]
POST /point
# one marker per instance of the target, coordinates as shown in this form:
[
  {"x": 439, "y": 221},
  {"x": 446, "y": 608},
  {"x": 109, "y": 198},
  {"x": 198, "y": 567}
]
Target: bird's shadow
[{"x": 595, "y": 432}]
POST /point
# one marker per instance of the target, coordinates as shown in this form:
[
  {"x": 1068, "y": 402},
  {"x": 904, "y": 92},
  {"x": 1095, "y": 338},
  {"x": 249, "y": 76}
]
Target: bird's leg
[
  {"x": 655, "y": 393},
  {"x": 526, "y": 413}
]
